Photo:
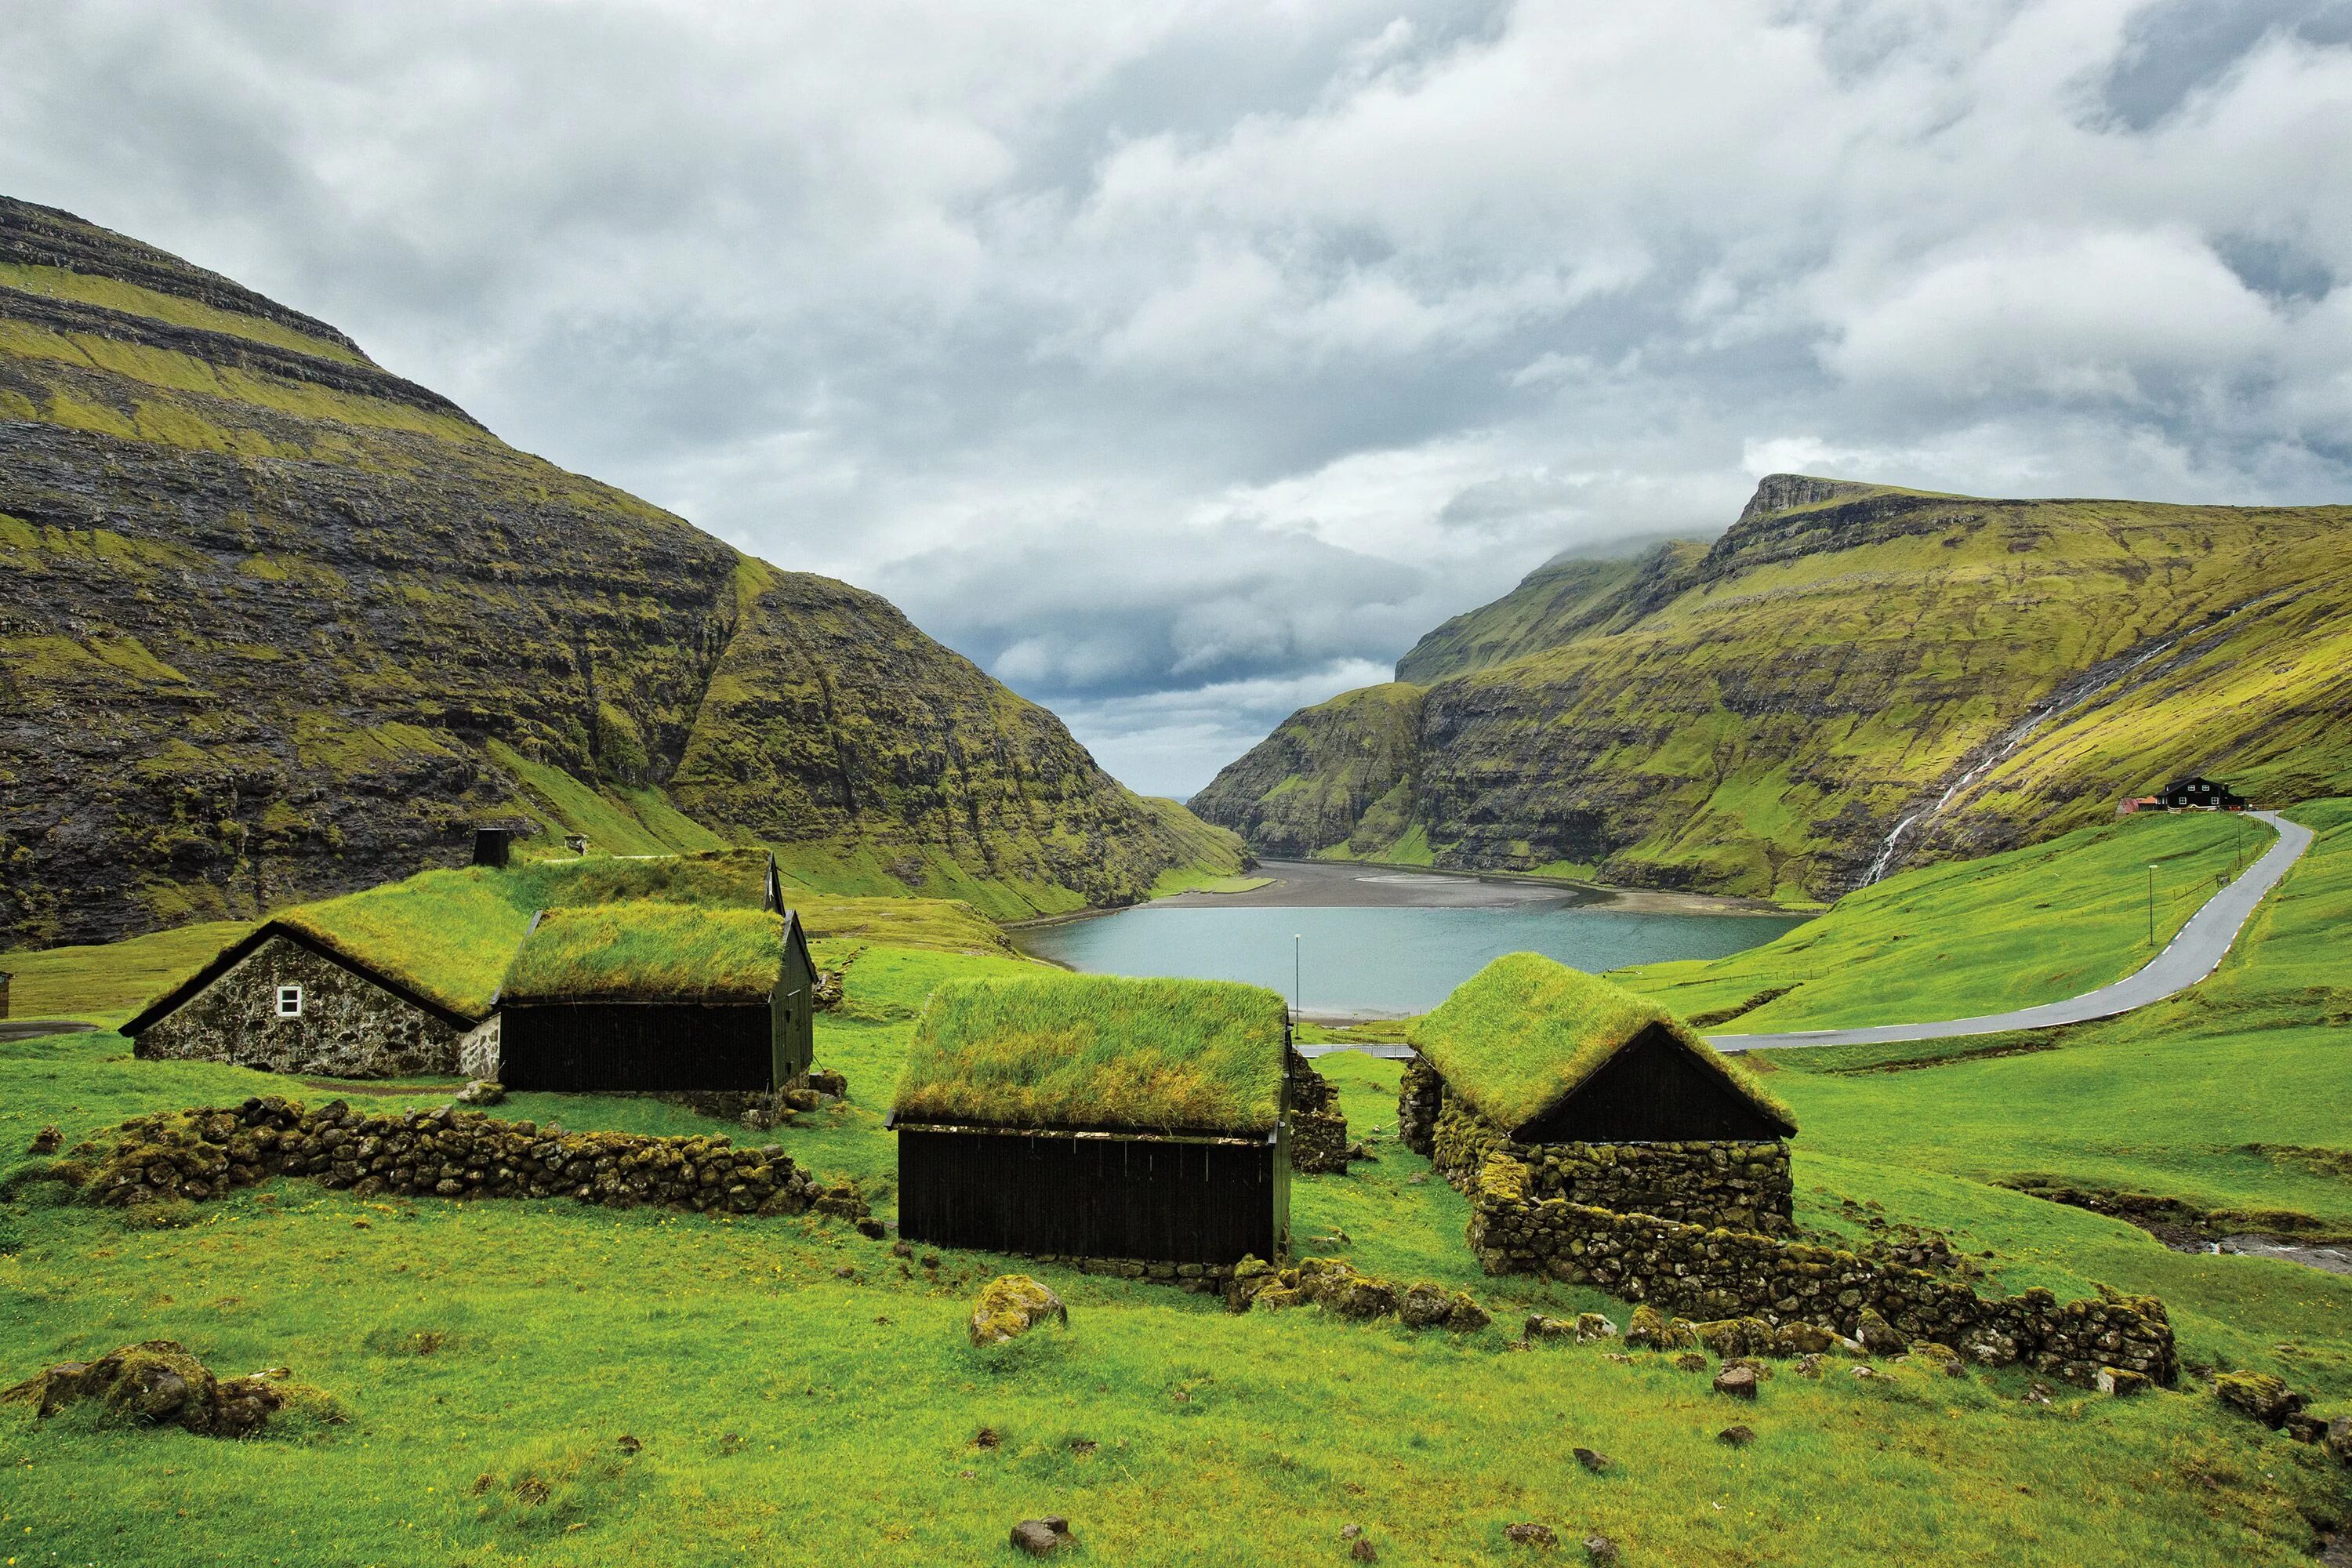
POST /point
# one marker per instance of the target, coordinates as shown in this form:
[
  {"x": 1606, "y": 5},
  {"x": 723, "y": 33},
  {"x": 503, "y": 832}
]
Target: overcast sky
[{"x": 1183, "y": 362}]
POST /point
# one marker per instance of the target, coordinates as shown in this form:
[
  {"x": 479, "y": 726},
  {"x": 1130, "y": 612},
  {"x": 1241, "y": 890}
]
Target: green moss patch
[
  {"x": 1098, "y": 1051},
  {"x": 1523, "y": 1033},
  {"x": 647, "y": 951}
]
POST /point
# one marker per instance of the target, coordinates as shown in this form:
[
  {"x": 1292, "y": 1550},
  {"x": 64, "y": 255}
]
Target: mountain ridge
[
  {"x": 1758, "y": 714},
  {"x": 278, "y": 623}
]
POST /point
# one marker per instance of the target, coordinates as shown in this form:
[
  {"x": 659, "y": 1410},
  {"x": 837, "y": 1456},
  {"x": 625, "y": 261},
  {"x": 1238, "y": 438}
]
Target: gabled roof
[
  {"x": 229, "y": 957},
  {"x": 1097, "y": 1052},
  {"x": 1525, "y": 1032},
  {"x": 648, "y": 952}
]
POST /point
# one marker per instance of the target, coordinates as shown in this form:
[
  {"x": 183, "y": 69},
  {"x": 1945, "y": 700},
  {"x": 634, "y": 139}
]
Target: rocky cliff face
[
  {"x": 1852, "y": 678},
  {"x": 276, "y": 624}
]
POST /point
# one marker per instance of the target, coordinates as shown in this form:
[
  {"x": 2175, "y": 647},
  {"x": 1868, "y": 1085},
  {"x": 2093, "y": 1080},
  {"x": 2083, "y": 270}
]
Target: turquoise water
[{"x": 1383, "y": 960}]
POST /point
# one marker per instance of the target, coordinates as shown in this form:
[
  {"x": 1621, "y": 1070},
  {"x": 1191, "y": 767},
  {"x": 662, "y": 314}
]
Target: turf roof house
[
  {"x": 658, "y": 998},
  {"x": 1098, "y": 1118},
  {"x": 297, "y": 995},
  {"x": 1605, "y": 1097}
]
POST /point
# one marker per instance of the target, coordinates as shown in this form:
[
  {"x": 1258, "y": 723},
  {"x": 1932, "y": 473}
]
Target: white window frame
[{"x": 286, "y": 994}]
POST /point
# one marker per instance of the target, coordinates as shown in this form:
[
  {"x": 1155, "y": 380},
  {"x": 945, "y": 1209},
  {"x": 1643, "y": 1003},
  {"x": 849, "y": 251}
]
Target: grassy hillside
[
  {"x": 1969, "y": 937},
  {"x": 1759, "y": 716},
  {"x": 492, "y": 1355},
  {"x": 276, "y": 624}
]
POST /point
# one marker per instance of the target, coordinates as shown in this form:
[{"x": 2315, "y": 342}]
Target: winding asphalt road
[{"x": 2194, "y": 953}]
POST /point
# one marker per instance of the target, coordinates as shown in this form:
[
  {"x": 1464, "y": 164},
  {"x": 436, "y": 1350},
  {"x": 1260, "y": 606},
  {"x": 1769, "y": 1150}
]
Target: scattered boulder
[
  {"x": 1735, "y": 1336},
  {"x": 1652, "y": 1330},
  {"x": 2121, "y": 1382},
  {"x": 1530, "y": 1534},
  {"x": 1010, "y": 1306},
  {"x": 1802, "y": 1339},
  {"x": 1591, "y": 1328},
  {"x": 1737, "y": 1381},
  {"x": 1592, "y": 1460},
  {"x": 1042, "y": 1537},
  {"x": 1878, "y": 1336},
  {"x": 157, "y": 1383},
  {"x": 1942, "y": 1358},
  {"x": 1735, "y": 1436},
  {"x": 481, "y": 1091},
  {"x": 2260, "y": 1394}
]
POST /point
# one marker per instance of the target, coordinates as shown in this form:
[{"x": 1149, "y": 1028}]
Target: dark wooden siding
[
  {"x": 588, "y": 1047},
  {"x": 1093, "y": 1197},
  {"x": 794, "y": 1025},
  {"x": 1653, "y": 1091}
]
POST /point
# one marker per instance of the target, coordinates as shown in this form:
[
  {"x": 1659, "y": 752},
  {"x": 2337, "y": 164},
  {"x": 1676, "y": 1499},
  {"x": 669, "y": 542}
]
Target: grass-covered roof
[
  {"x": 1525, "y": 1032},
  {"x": 1098, "y": 1051},
  {"x": 648, "y": 952}
]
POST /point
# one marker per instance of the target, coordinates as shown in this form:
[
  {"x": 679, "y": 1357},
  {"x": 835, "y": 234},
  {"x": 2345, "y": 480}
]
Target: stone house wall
[
  {"x": 350, "y": 1026},
  {"x": 1712, "y": 1273},
  {"x": 1319, "y": 1132},
  {"x": 1743, "y": 1185}
]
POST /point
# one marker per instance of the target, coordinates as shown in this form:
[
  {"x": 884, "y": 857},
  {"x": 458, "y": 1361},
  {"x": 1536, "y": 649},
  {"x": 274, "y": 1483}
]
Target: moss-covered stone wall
[
  {"x": 199, "y": 1154},
  {"x": 1715, "y": 1273}
]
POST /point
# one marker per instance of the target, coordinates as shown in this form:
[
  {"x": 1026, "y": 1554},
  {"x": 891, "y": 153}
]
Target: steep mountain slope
[
  {"x": 1852, "y": 678},
  {"x": 276, "y": 623}
]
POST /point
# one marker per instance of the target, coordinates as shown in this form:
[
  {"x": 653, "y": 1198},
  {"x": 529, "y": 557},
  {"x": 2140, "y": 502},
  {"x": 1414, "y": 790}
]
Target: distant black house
[
  {"x": 658, "y": 998},
  {"x": 1098, "y": 1118},
  {"x": 2202, "y": 794}
]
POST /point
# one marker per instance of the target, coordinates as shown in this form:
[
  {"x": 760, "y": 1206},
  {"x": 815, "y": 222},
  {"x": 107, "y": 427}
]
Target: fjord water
[{"x": 1375, "y": 958}]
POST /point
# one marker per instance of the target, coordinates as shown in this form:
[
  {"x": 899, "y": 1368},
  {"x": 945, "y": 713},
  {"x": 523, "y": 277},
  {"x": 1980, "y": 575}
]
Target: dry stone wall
[
  {"x": 1741, "y": 1185},
  {"x": 202, "y": 1154},
  {"x": 1700, "y": 1272},
  {"x": 350, "y": 1026}
]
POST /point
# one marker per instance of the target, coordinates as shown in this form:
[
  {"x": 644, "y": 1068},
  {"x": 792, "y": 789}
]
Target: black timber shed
[
  {"x": 1551, "y": 1055},
  {"x": 1098, "y": 1117},
  {"x": 649, "y": 997}
]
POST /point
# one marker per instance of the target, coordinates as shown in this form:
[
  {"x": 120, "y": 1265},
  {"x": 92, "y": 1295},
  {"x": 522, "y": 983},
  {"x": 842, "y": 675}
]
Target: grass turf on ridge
[
  {"x": 647, "y": 951},
  {"x": 1517, "y": 1036},
  {"x": 1098, "y": 1050}
]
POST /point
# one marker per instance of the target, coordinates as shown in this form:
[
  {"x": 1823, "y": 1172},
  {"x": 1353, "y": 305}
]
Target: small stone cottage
[
  {"x": 289, "y": 998},
  {"x": 1605, "y": 1097},
  {"x": 649, "y": 997},
  {"x": 1098, "y": 1118}
]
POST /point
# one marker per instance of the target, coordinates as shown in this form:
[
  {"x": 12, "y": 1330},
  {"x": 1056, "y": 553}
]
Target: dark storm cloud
[{"x": 1183, "y": 364}]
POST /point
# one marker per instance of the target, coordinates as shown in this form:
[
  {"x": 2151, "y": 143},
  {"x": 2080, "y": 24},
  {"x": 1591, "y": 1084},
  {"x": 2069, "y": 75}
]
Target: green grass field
[{"x": 491, "y": 1357}]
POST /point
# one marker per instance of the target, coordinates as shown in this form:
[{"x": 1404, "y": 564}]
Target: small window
[{"x": 289, "y": 1001}]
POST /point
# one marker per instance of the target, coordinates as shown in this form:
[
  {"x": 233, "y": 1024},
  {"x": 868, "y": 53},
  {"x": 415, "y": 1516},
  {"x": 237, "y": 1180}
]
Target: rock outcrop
[{"x": 277, "y": 623}]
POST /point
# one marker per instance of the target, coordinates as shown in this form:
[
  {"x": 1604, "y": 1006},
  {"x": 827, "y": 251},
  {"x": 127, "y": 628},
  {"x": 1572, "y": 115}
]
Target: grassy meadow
[{"x": 796, "y": 1392}]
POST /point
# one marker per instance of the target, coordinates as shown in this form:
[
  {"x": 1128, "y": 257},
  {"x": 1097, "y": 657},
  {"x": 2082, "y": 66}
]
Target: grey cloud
[{"x": 1183, "y": 364}]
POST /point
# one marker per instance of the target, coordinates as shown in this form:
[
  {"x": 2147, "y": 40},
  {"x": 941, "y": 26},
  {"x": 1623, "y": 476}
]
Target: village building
[
  {"x": 1606, "y": 1097},
  {"x": 2198, "y": 793},
  {"x": 1096, "y": 1118},
  {"x": 291, "y": 997},
  {"x": 649, "y": 997}
]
